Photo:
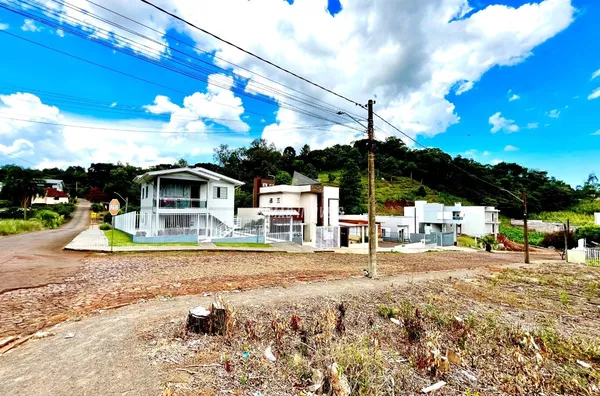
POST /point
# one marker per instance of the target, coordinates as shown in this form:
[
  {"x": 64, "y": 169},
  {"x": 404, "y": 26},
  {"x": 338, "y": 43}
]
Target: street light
[{"x": 124, "y": 199}]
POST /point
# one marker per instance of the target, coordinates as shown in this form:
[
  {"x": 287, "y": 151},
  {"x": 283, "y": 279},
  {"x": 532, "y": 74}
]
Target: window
[
  {"x": 146, "y": 191},
  {"x": 278, "y": 200},
  {"x": 219, "y": 192}
]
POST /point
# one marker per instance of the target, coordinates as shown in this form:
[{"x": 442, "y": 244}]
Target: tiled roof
[{"x": 54, "y": 193}]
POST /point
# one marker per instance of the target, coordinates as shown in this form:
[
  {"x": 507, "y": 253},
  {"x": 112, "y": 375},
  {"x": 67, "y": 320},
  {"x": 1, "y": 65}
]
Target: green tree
[
  {"x": 351, "y": 189},
  {"x": 20, "y": 187},
  {"x": 181, "y": 163},
  {"x": 309, "y": 170},
  {"x": 282, "y": 177},
  {"x": 331, "y": 178}
]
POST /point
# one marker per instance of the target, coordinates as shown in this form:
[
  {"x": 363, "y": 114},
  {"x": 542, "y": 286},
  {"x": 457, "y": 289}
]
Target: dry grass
[{"x": 516, "y": 332}]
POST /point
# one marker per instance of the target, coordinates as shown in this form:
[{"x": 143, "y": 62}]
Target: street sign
[{"x": 114, "y": 206}]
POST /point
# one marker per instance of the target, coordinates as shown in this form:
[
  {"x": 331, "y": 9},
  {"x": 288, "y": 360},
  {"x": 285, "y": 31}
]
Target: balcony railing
[{"x": 180, "y": 203}]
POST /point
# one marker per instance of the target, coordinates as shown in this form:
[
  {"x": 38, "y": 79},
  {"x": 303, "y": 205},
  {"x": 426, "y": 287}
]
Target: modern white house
[
  {"x": 304, "y": 202},
  {"x": 192, "y": 202},
  {"x": 55, "y": 184},
  {"x": 428, "y": 218}
]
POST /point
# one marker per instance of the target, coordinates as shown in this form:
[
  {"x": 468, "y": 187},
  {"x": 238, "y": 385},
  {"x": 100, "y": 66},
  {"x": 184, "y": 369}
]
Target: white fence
[
  {"x": 327, "y": 238},
  {"x": 592, "y": 256},
  {"x": 285, "y": 232}
]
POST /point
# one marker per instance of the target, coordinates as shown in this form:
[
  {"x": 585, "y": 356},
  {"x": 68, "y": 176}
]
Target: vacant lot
[
  {"x": 111, "y": 280},
  {"x": 519, "y": 331}
]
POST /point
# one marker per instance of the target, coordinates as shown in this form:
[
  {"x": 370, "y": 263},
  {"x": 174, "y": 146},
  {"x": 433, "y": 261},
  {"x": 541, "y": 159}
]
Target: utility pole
[
  {"x": 372, "y": 224},
  {"x": 567, "y": 229},
  {"x": 526, "y": 236}
]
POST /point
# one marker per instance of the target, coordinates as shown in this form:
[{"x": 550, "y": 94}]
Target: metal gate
[{"x": 327, "y": 238}]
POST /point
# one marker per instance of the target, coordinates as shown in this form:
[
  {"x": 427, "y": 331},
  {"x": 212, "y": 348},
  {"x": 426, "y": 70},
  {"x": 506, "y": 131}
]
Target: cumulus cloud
[
  {"x": 495, "y": 161},
  {"x": 500, "y": 123},
  {"x": 20, "y": 147},
  {"x": 486, "y": 153},
  {"x": 533, "y": 125},
  {"x": 420, "y": 52},
  {"x": 555, "y": 113},
  {"x": 595, "y": 94},
  {"x": 597, "y": 133},
  {"x": 510, "y": 148},
  {"x": 30, "y": 26},
  {"x": 514, "y": 97},
  {"x": 596, "y": 74},
  {"x": 60, "y": 33},
  {"x": 4, "y": 26}
]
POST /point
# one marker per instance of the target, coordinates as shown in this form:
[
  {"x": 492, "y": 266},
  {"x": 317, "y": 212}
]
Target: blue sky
[{"x": 549, "y": 124}]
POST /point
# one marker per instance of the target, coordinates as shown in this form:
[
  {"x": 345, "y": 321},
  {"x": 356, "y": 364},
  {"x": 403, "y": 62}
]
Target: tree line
[{"x": 459, "y": 176}]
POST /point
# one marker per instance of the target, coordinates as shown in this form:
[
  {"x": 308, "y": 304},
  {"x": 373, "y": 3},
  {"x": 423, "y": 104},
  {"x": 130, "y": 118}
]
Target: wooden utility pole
[
  {"x": 567, "y": 229},
  {"x": 526, "y": 236},
  {"x": 372, "y": 220}
]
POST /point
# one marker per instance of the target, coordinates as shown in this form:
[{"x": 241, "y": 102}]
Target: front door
[{"x": 344, "y": 236}]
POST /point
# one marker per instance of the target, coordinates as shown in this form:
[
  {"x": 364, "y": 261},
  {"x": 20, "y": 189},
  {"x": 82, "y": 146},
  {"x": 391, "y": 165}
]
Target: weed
[
  {"x": 361, "y": 364},
  {"x": 386, "y": 311},
  {"x": 592, "y": 290},
  {"x": 564, "y": 298}
]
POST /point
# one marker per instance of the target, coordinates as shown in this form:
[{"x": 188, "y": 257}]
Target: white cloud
[
  {"x": 514, "y": 97},
  {"x": 596, "y": 74},
  {"x": 595, "y": 94},
  {"x": 495, "y": 161},
  {"x": 555, "y": 113},
  {"x": 18, "y": 148},
  {"x": 113, "y": 104},
  {"x": 4, "y": 26},
  {"x": 500, "y": 123},
  {"x": 533, "y": 125},
  {"x": 469, "y": 153},
  {"x": 486, "y": 153},
  {"x": 30, "y": 26},
  {"x": 511, "y": 148},
  {"x": 420, "y": 51},
  {"x": 60, "y": 33},
  {"x": 597, "y": 133}
]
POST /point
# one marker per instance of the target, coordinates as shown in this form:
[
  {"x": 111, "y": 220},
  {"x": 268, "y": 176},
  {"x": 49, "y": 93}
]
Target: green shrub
[
  {"x": 516, "y": 234},
  {"x": 49, "y": 218},
  {"x": 11, "y": 227},
  {"x": 557, "y": 240},
  {"x": 108, "y": 218},
  {"x": 331, "y": 177},
  {"x": 64, "y": 209},
  {"x": 579, "y": 219},
  {"x": 4, "y": 203},
  {"x": 105, "y": 226},
  {"x": 96, "y": 207},
  {"x": 590, "y": 233},
  {"x": 16, "y": 213}
]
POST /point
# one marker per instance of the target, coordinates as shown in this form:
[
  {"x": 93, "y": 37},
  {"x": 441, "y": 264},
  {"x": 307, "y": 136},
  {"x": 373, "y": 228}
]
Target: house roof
[
  {"x": 300, "y": 180},
  {"x": 54, "y": 193},
  {"x": 53, "y": 181},
  {"x": 201, "y": 172}
]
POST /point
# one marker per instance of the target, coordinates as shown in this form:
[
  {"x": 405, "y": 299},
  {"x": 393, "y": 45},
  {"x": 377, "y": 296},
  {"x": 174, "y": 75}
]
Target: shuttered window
[{"x": 219, "y": 192}]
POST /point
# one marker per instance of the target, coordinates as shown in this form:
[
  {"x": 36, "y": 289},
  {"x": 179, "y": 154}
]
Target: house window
[
  {"x": 220, "y": 193},
  {"x": 146, "y": 191},
  {"x": 278, "y": 200}
]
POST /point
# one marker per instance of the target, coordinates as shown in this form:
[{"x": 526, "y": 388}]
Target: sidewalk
[{"x": 94, "y": 240}]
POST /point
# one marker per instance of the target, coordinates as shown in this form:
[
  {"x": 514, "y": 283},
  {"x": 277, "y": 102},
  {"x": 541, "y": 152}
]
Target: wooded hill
[{"x": 402, "y": 174}]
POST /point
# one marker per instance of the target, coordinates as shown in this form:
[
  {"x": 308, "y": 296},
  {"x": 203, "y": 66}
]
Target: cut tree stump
[
  {"x": 199, "y": 321},
  {"x": 218, "y": 315}
]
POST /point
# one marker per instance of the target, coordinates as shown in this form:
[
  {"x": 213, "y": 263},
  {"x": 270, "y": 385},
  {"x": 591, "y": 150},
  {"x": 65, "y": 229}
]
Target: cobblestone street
[{"x": 107, "y": 281}]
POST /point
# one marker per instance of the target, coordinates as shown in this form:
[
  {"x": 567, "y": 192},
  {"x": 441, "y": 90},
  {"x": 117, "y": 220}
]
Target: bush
[
  {"x": 590, "y": 233},
  {"x": 421, "y": 192},
  {"x": 49, "y": 218},
  {"x": 16, "y": 213},
  {"x": 11, "y": 227},
  {"x": 108, "y": 218},
  {"x": 105, "y": 226},
  {"x": 96, "y": 207},
  {"x": 557, "y": 240},
  {"x": 4, "y": 203},
  {"x": 331, "y": 178},
  {"x": 64, "y": 210}
]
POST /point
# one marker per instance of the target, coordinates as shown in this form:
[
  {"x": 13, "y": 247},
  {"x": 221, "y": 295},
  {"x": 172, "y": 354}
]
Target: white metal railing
[
  {"x": 180, "y": 203},
  {"x": 285, "y": 232},
  {"x": 127, "y": 222},
  {"x": 592, "y": 256}
]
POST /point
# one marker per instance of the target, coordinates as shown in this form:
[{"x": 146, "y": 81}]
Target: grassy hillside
[
  {"x": 398, "y": 189},
  {"x": 577, "y": 219}
]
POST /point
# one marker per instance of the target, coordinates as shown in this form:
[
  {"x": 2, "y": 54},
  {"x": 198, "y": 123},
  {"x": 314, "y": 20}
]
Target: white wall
[
  {"x": 146, "y": 202},
  {"x": 279, "y": 200},
  {"x": 331, "y": 205},
  {"x": 597, "y": 218},
  {"x": 222, "y": 208}
]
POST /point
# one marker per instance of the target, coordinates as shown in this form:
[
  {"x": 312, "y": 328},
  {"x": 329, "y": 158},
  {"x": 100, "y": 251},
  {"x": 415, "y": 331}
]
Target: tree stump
[
  {"x": 199, "y": 321},
  {"x": 218, "y": 315}
]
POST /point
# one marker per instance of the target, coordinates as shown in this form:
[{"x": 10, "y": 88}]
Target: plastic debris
[
  {"x": 269, "y": 354},
  {"x": 469, "y": 376},
  {"x": 246, "y": 355},
  {"x": 69, "y": 335},
  {"x": 339, "y": 382},
  {"x": 584, "y": 364},
  {"x": 433, "y": 387},
  {"x": 317, "y": 380},
  {"x": 395, "y": 321},
  {"x": 43, "y": 334}
]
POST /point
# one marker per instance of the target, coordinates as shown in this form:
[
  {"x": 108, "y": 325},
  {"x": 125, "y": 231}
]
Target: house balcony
[
  {"x": 448, "y": 217},
  {"x": 180, "y": 204}
]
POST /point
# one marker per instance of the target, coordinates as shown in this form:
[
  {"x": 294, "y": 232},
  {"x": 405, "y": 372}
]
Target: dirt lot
[
  {"x": 519, "y": 331},
  {"x": 112, "y": 280}
]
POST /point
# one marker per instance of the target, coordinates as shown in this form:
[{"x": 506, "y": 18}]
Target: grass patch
[
  {"x": 578, "y": 219},
  {"x": 123, "y": 239},
  {"x": 243, "y": 245},
  {"x": 466, "y": 241},
  {"x": 517, "y": 234},
  {"x": 12, "y": 227}
]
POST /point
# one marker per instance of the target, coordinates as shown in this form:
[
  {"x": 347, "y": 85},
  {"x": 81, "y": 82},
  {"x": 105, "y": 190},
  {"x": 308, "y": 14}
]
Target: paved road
[{"x": 36, "y": 258}]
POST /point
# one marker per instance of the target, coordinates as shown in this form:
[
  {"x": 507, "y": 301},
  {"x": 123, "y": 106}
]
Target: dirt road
[
  {"x": 36, "y": 258},
  {"x": 105, "y": 356}
]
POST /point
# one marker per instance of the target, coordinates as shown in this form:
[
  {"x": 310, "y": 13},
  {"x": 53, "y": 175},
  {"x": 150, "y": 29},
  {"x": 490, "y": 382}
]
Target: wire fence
[{"x": 592, "y": 256}]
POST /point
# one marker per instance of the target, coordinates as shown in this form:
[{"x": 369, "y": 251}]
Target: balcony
[
  {"x": 449, "y": 216},
  {"x": 180, "y": 203}
]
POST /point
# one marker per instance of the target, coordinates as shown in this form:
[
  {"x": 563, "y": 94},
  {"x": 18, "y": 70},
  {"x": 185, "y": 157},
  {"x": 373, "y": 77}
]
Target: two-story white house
[{"x": 193, "y": 201}]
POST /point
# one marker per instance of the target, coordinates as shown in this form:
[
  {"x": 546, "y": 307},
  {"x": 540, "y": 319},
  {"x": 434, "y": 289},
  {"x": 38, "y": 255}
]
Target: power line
[
  {"x": 450, "y": 162},
  {"x": 250, "y": 53},
  {"x": 19, "y": 158}
]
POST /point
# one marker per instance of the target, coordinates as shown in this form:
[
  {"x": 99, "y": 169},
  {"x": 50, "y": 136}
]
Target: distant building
[
  {"x": 51, "y": 197},
  {"x": 55, "y": 184}
]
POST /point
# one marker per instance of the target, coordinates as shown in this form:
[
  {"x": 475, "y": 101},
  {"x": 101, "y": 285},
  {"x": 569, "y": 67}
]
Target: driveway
[{"x": 36, "y": 258}]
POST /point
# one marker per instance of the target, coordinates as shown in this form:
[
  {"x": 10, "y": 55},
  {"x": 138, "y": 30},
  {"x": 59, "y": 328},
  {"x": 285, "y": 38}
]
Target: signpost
[{"x": 113, "y": 208}]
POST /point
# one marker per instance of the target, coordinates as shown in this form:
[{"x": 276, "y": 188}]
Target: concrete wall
[
  {"x": 597, "y": 218},
  {"x": 249, "y": 239},
  {"x": 166, "y": 238},
  {"x": 473, "y": 222},
  {"x": 249, "y": 213},
  {"x": 331, "y": 196}
]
